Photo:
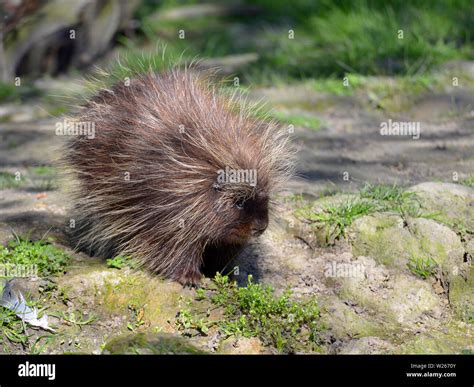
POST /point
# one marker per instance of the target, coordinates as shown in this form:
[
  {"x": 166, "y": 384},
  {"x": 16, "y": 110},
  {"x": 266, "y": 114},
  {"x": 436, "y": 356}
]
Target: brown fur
[{"x": 171, "y": 214}]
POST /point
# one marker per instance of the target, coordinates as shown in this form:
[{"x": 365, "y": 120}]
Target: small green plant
[
  {"x": 121, "y": 261},
  {"x": 469, "y": 181},
  {"x": 8, "y": 91},
  {"x": 78, "y": 319},
  {"x": 12, "y": 329},
  {"x": 41, "y": 343},
  {"x": 43, "y": 170},
  {"x": 187, "y": 321},
  {"x": 393, "y": 198},
  {"x": 384, "y": 193},
  {"x": 9, "y": 180},
  {"x": 422, "y": 266},
  {"x": 42, "y": 178},
  {"x": 339, "y": 86},
  {"x": 12, "y": 93},
  {"x": 335, "y": 218},
  {"x": 304, "y": 120},
  {"x": 138, "y": 314},
  {"x": 255, "y": 311},
  {"x": 49, "y": 259}
]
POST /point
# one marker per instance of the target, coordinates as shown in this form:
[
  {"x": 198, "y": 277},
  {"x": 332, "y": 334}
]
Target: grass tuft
[
  {"x": 120, "y": 261},
  {"x": 335, "y": 218},
  {"x": 469, "y": 182},
  {"x": 422, "y": 267},
  {"x": 304, "y": 120},
  {"x": 48, "y": 259}
]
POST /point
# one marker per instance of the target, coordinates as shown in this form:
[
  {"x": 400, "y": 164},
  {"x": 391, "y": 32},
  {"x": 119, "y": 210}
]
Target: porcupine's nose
[{"x": 259, "y": 227}]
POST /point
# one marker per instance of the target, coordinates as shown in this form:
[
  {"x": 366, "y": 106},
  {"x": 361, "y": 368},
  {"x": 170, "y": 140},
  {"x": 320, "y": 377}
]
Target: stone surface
[
  {"x": 450, "y": 203},
  {"x": 367, "y": 346},
  {"x": 387, "y": 239},
  {"x": 242, "y": 346},
  {"x": 398, "y": 299}
]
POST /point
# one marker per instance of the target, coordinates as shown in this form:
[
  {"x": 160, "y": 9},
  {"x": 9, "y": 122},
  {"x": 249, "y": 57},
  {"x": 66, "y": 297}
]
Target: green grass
[
  {"x": 255, "y": 311},
  {"x": 12, "y": 330},
  {"x": 395, "y": 95},
  {"x": 8, "y": 92},
  {"x": 383, "y": 193},
  {"x": 332, "y": 38},
  {"x": 43, "y": 170},
  {"x": 119, "y": 262},
  {"x": 41, "y": 178},
  {"x": 345, "y": 85},
  {"x": 11, "y": 93},
  {"x": 137, "y": 320},
  {"x": 49, "y": 259},
  {"x": 394, "y": 199},
  {"x": 390, "y": 198},
  {"x": 335, "y": 218},
  {"x": 361, "y": 36},
  {"x": 387, "y": 93},
  {"x": 374, "y": 47},
  {"x": 304, "y": 120},
  {"x": 10, "y": 180},
  {"x": 57, "y": 111},
  {"x": 422, "y": 267},
  {"x": 78, "y": 319},
  {"x": 468, "y": 182}
]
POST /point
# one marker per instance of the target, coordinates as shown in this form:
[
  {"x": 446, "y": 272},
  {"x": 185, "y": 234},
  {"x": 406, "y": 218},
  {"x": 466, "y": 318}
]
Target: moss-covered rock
[
  {"x": 141, "y": 343},
  {"x": 367, "y": 346},
  {"x": 450, "y": 339},
  {"x": 158, "y": 298},
  {"x": 111, "y": 292},
  {"x": 461, "y": 296},
  {"x": 343, "y": 321},
  {"x": 440, "y": 243},
  {"x": 399, "y": 300},
  {"x": 391, "y": 242},
  {"x": 451, "y": 204},
  {"x": 383, "y": 237}
]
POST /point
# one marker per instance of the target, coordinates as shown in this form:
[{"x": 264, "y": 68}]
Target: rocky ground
[{"x": 372, "y": 297}]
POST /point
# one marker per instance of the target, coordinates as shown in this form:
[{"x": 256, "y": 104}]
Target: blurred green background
[{"x": 331, "y": 38}]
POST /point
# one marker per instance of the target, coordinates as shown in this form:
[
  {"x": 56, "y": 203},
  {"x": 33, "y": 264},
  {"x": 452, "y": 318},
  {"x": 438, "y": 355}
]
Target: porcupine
[{"x": 165, "y": 177}]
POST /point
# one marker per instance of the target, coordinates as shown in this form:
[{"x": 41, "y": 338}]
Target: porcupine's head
[{"x": 175, "y": 168}]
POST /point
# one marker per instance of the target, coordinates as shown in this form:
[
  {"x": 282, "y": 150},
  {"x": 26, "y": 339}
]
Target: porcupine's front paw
[{"x": 191, "y": 279}]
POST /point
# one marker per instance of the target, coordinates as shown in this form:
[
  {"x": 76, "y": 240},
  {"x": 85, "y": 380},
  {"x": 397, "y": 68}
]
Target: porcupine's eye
[
  {"x": 239, "y": 204},
  {"x": 216, "y": 187}
]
